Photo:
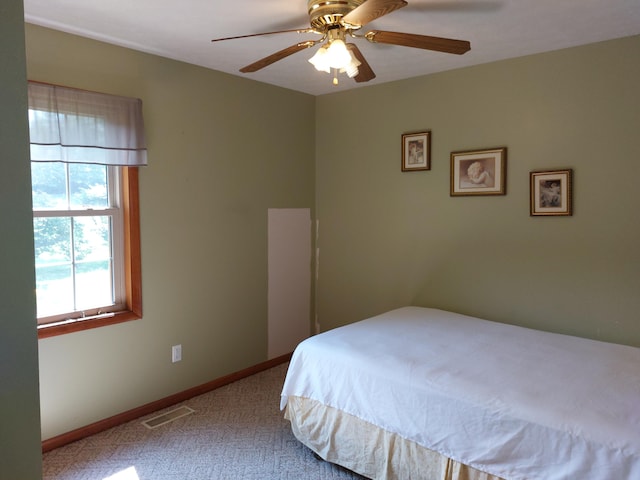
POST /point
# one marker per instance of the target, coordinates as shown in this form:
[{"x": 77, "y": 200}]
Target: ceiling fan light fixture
[
  {"x": 352, "y": 67},
  {"x": 321, "y": 60},
  {"x": 336, "y": 55},
  {"x": 352, "y": 70}
]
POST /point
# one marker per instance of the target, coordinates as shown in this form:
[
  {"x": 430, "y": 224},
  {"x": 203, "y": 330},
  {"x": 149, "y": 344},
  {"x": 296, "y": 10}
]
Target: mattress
[{"x": 506, "y": 400}]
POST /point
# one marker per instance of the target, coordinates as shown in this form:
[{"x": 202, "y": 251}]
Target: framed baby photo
[
  {"x": 551, "y": 192},
  {"x": 479, "y": 172},
  {"x": 416, "y": 151}
]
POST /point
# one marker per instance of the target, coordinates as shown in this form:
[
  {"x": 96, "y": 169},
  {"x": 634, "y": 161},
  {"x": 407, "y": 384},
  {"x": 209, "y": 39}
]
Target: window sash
[{"x": 116, "y": 258}]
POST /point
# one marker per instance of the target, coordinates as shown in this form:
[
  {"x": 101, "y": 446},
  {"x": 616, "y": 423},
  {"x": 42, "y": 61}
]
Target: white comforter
[{"x": 510, "y": 401}]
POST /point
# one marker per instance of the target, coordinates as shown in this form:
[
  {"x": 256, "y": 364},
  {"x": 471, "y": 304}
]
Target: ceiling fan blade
[
  {"x": 364, "y": 70},
  {"x": 266, "y": 61},
  {"x": 458, "y": 6},
  {"x": 303, "y": 30},
  {"x": 291, "y": 23},
  {"x": 446, "y": 45},
  {"x": 371, "y": 10}
]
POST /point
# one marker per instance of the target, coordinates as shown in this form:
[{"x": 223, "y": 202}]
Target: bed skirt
[{"x": 345, "y": 440}]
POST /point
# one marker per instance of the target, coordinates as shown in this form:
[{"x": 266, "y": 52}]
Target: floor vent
[{"x": 167, "y": 417}]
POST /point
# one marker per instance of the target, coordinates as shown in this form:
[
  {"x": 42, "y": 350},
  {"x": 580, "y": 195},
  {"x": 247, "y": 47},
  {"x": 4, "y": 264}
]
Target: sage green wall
[
  {"x": 389, "y": 239},
  {"x": 222, "y": 150},
  {"x": 20, "y": 451}
]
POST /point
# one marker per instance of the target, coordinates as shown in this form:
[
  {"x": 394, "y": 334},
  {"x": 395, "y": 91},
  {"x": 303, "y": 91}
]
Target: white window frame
[{"x": 117, "y": 247}]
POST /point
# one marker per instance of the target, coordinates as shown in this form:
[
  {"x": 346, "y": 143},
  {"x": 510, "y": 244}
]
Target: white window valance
[{"x": 78, "y": 126}]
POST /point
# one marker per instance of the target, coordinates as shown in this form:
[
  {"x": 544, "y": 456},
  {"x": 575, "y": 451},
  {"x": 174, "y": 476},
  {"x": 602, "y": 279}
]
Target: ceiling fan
[{"x": 335, "y": 20}]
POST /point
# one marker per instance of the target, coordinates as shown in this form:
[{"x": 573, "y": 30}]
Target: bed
[{"x": 423, "y": 393}]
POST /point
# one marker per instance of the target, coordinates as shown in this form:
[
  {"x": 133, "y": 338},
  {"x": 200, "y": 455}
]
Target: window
[{"x": 85, "y": 208}]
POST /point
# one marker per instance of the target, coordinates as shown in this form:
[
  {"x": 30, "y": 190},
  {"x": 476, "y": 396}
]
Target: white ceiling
[{"x": 182, "y": 30}]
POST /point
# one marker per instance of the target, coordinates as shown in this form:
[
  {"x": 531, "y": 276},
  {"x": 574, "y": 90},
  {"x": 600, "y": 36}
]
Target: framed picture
[
  {"x": 551, "y": 192},
  {"x": 416, "y": 151},
  {"x": 479, "y": 172}
]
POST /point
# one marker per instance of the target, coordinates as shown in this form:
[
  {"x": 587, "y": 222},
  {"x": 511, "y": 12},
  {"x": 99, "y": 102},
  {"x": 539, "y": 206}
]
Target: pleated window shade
[{"x": 78, "y": 126}]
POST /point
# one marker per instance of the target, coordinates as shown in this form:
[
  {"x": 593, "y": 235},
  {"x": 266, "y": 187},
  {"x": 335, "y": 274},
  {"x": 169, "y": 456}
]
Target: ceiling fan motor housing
[{"x": 327, "y": 13}]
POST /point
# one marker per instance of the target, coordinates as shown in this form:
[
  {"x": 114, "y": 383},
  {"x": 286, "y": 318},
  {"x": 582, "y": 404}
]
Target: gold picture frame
[
  {"x": 551, "y": 193},
  {"x": 479, "y": 172},
  {"x": 416, "y": 151}
]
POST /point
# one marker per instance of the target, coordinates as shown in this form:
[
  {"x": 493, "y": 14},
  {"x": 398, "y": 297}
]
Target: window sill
[{"x": 86, "y": 323}]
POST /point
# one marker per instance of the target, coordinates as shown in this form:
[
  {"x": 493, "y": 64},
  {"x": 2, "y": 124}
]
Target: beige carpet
[{"x": 236, "y": 432}]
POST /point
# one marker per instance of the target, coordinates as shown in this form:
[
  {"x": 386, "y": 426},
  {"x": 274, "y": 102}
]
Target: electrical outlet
[{"x": 176, "y": 353}]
